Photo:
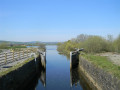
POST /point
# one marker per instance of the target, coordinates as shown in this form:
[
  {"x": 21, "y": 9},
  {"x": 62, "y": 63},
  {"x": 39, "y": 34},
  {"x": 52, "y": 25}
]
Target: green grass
[
  {"x": 2, "y": 73},
  {"x": 104, "y": 63},
  {"x": 0, "y": 51},
  {"x": 14, "y": 47}
]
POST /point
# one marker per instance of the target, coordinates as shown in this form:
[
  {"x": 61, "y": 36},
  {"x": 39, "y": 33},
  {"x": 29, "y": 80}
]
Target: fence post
[
  {"x": 19, "y": 54},
  {"x": 13, "y": 55},
  {"x": 23, "y": 53},
  {"x": 30, "y": 50},
  {"x": 5, "y": 58},
  {"x": 70, "y": 60},
  {"x": 27, "y": 52}
]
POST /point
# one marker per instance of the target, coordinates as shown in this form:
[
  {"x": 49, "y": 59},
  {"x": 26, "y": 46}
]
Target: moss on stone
[
  {"x": 15, "y": 67},
  {"x": 103, "y": 63}
]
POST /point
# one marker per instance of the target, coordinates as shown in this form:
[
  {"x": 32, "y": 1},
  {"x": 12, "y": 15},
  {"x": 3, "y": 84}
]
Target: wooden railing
[{"x": 9, "y": 57}]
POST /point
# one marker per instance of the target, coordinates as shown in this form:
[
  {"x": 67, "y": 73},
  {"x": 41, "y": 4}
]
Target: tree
[
  {"x": 117, "y": 44},
  {"x": 81, "y": 37},
  {"x": 95, "y": 44},
  {"x": 42, "y": 47},
  {"x": 110, "y": 38},
  {"x": 3, "y": 45}
]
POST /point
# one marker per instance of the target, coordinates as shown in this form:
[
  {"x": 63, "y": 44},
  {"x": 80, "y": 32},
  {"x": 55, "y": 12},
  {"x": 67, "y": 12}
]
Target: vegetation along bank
[{"x": 100, "y": 59}]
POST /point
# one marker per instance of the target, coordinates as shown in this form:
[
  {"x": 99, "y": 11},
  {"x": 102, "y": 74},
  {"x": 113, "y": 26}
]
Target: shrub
[
  {"x": 117, "y": 44},
  {"x": 91, "y": 44},
  {"x": 3, "y": 45},
  {"x": 95, "y": 44}
]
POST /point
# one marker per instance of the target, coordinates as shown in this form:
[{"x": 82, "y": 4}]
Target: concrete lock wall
[
  {"x": 19, "y": 78},
  {"x": 102, "y": 79},
  {"x": 97, "y": 78},
  {"x": 74, "y": 60}
]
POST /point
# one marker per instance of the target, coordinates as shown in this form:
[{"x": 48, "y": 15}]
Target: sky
[{"x": 57, "y": 20}]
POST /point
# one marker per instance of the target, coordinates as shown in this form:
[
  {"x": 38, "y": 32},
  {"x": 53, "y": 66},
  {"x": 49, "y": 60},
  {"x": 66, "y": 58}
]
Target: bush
[
  {"x": 66, "y": 47},
  {"x": 91, "y": 44},
  {"x": 3, "y": 45},
  {"x": 117, "y": 44},
  {"x": 42, "y": 47},
  {"x": 95, "y": 44}
]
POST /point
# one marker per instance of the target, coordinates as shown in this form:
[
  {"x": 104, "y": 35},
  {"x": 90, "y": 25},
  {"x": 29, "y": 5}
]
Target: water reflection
[
  {"x": 66, "y": 55},
  {"x": 59, "y": 75},
  {"x": 40, "y": 76},
  {"x": 77, "y": 79},
  {"x": 74, "y": 78},
  {"x": 42, "y": 71}
]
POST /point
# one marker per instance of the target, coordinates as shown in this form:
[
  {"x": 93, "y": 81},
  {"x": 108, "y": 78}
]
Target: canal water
[{"x": 57, "y": 74}]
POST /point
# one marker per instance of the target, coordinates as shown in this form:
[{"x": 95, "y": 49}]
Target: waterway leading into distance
[{"x": 58, "y": 75}]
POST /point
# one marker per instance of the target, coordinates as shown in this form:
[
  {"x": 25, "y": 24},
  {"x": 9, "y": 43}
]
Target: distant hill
[
  {"x": 28, "y": 43},
  {"x": 50, "y": 43}
]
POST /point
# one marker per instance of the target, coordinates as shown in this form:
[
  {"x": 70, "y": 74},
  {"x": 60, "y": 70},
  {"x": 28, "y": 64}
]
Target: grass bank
[
  {"x": 15, "y": 47},
  {"x": 103, "y": 63},
  {"x": 15, "y": 67}
]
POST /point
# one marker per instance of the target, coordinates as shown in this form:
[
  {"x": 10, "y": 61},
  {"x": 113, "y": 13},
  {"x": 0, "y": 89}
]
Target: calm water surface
[{"x": 58, "y": 75}]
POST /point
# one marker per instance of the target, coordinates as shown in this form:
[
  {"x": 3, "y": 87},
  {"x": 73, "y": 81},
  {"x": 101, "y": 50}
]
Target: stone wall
[
  {"x": 19, "y": 78},
  {"x": 103, "y": 79}
]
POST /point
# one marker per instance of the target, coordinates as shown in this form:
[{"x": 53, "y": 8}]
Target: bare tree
[
  {"x": 42, "y": 47},
  {"x": 110, "y": 38},
  {"x": 81, "y": 37}
]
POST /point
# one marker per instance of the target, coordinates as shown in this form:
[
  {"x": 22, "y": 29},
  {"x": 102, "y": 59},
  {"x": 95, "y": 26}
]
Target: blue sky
[{"x": 57, "y": 20}]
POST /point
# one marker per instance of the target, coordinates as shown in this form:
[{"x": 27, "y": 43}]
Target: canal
[{"x": 57, "y": 74}]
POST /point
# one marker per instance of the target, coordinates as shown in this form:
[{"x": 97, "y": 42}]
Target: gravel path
[{"x": 113, "y": 57}]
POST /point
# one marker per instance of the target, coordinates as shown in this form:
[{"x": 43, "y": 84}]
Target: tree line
[
  {"x": 91, "y": 44},
  {"x": 5, "y": 45}
]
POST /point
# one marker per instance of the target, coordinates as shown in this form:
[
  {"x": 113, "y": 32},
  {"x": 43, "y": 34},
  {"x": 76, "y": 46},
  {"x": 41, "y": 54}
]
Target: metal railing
[{"x": 9, "y": 57}]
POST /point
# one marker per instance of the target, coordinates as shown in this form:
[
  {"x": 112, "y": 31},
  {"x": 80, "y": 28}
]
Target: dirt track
[{"x": 113, "y": 57}]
